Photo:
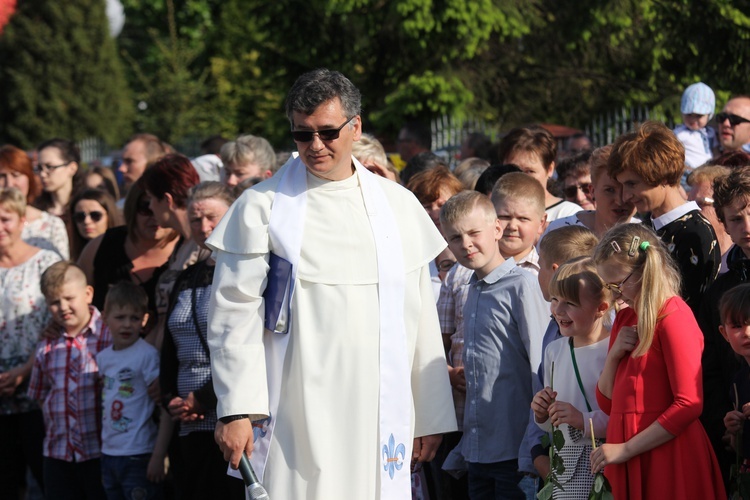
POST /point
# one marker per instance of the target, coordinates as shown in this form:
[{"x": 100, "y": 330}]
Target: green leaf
[
  {"x": 546, "y": 492},
  {"x": 558, "y": 438}
]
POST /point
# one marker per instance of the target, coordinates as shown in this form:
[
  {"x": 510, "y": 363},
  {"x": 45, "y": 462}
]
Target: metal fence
[{"x": 607, "y": 127}]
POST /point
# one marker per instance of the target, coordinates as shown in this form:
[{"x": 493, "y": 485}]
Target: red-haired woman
[{"x": 42, "y": 229}]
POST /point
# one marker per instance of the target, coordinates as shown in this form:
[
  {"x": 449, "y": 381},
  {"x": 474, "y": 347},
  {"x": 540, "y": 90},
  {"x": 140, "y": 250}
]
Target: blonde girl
[
  {"x": 651, "y": 383},
  {"x": 580, "y": 303}
]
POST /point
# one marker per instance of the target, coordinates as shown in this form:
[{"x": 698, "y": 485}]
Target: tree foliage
[{"x": 60, "y": 75}]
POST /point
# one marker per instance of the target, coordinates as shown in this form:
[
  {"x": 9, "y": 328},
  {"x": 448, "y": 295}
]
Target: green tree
[{"x": 60, "y": 75}]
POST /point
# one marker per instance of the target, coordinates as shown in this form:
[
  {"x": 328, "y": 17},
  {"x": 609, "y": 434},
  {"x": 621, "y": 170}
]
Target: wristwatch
[{"x": 232, "y": 418}]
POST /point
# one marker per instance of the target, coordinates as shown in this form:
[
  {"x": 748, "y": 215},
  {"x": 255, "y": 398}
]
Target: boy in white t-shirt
[{"x": 132, "y": 457}]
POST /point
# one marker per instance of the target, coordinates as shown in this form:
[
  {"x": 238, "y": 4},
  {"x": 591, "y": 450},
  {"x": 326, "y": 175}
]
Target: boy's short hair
[
  {"x": 652, "y": 151},
  {"x": 707, "y": 173},
  {"x": 734, "y": 306},
  {"x": 57, "y": 275},
  {"x": 462, "y": 204},
  {"x": 532, "y": 139},
  {"x": 126, "y": 294},
  {"x": 729, "y": 188},
  {"x": 566, "y": 243},
  {"x": 516, "y": 185}
]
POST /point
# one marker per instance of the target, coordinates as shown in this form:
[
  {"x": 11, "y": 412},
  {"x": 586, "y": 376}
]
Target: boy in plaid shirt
[{"x": 65, "y": 381}]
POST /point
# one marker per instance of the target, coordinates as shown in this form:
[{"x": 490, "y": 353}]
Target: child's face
[
  {"x": 737, "y": 223},
  {"x": 521, "y": 224},
  {"x": 125, "y": 324},
  {"x": 582, "y": 319},
  {"x": 532, "y": 165},
  {"x": 738, "y": 337},
  {"x": 694, "y": 121},
  {"x": 70, "y": 307},
  {"x": 546, "y": 271},
  {"x": 473, "y": 240}
]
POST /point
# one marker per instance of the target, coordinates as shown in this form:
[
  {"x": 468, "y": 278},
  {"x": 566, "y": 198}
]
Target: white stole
[{"x": 285, "y": 231}]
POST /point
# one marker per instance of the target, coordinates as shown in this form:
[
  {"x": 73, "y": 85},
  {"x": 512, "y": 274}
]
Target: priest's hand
[
  {"x": 425, "y": 447},
  {"x": 233, "y": 438}
]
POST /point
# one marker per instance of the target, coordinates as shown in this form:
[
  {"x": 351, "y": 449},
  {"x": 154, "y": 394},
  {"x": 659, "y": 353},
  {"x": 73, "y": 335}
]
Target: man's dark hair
[
  {"x": 321, "y": 85},
  {"x": 489, "y": 177},
  {"x": 419, "y": 133},
  {"x": 420, "y": 163}
]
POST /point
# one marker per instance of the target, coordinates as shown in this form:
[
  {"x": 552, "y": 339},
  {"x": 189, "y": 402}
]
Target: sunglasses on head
[
  {"x": 734, "y": 120},
  {"x": 329, "y": 134},
  {"x": 80, "y": 217},
  {"x": 572, "y": 191}
]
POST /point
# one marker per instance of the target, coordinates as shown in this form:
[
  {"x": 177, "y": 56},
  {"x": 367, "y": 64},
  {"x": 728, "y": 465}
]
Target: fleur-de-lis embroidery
[{"x": 391, "y": 460}]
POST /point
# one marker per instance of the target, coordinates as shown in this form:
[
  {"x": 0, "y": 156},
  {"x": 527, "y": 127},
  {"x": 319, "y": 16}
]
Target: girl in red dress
[{"x": 651, "y": 385}]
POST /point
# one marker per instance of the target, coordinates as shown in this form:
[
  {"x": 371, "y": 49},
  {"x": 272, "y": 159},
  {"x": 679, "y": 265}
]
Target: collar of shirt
[
  {"x": 674, "y": 214},
  {"x": 496, "y": 273}
]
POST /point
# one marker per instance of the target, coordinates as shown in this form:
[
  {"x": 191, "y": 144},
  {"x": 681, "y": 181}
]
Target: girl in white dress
[{"x": 580, "y": 305}]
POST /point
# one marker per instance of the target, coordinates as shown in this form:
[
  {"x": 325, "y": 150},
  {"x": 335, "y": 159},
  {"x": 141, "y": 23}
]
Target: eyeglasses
[
  {"x": 38, "y": 169},
  {"x": 328, "y": 134},
  {"x": 446, "y": 265},
  {"x": 617, "y": 287},
  {"x": 144, "y": 209},
  {"x": 80, "y": 217},
  {"x": 734, "y": 120},
  {"x": 572, "y": 191}
]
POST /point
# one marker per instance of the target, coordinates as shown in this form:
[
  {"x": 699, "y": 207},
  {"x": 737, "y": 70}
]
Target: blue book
[{"x": 277, "y": 296}]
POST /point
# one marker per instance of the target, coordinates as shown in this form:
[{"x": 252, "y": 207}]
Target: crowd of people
[{"x": 433, "y": 325}]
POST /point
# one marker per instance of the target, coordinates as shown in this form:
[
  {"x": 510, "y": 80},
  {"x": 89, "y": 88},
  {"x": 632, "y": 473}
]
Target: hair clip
[
  {"x": 633, "y": 246},
  {"x": 615, "y": 246},
  {"x": 644, "y": 245}
]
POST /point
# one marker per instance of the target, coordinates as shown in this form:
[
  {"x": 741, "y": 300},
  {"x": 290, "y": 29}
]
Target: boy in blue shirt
[{"x": 504, "y": 321}]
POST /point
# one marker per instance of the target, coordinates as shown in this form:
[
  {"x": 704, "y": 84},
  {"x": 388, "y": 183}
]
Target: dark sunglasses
[
  {"x": 144, "y": 210},
  {"x": 572, "y": 191},
  {"x": 734, "y": 120},
  {"x": 329, "y": 134},
  {"x": 80, "y": 217}
]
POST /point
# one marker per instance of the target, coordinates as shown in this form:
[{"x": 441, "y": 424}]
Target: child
[
  {"x": 697, "y": 107},
  {"x": 534, "y": 150},
  {"x": 65, "y": 380},
  {"x": 519, "y": 205},
  {"x": 127, "y": 368},
  {"x": 564, "y": 244},
  {"x": 735, "y": 327},
  {"x": 650, "y": 385},
  {"x": 579, "y": 305},
  {"x": 503, "y": 324},
  {"x": 731, "y": 196}
]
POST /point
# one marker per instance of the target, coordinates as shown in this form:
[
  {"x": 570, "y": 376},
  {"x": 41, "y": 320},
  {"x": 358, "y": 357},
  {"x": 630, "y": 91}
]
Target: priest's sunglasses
[{"x": 328, "y": 134}]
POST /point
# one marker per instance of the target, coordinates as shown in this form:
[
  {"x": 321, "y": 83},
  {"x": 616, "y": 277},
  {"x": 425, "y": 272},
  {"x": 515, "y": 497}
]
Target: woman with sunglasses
[
  {"x": 93, "y": 212},
  {"x": 610, "y": 209},
  {"x": 137, "y": 251},
  {"x": 650, "y": 385},
  {"x": 42, "y": 229}
]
